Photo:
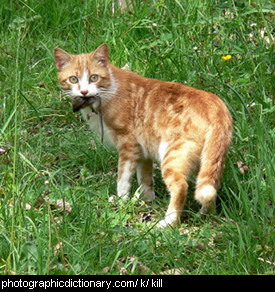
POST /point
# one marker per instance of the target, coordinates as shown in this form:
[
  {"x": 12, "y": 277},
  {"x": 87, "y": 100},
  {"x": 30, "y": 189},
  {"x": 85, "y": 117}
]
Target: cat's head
[{"x": 84, "y": 76}]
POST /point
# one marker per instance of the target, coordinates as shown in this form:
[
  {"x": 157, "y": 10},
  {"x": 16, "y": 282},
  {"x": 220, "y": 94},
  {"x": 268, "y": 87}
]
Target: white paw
[
  {"x": 206, "y": 195},
  {"x": 118, "y": 198},
  {"x": 149, "y": 196},
  {"x": 204, "y": 210},
  {"x": 112, "y": 199},
  {"x": 123, "y": 197},
  {"x": 162, "y": 224},
  {"x": 170, "y": 219}
]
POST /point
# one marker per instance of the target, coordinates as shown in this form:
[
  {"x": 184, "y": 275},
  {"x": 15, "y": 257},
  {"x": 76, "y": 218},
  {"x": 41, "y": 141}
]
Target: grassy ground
[{"x": 48, "y": 156}]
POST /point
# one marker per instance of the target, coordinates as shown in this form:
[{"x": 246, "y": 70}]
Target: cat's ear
[
  {"x": 101, "y": 55},
  {"x": 62, "y": 58}
]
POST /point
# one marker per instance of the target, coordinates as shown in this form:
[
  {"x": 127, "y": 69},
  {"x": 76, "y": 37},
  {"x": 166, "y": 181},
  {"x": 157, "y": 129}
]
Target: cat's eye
[
  {"x": 73, "y": 79},
  {"x": 93, "y": 78}
]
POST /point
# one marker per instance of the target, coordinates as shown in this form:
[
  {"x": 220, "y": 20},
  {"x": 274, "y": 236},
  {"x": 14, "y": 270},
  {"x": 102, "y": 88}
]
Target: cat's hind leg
[
  {"x": 206, "y": 195},
  {"x": 175, "y": 168},
  {"x": 145, "y": 179}
]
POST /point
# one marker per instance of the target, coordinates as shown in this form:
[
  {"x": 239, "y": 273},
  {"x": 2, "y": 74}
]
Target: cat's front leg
[
  {"x": 145, "y": 179},
  {"x": 125, "y": 174},
  {"x": 128, "y": 157}
]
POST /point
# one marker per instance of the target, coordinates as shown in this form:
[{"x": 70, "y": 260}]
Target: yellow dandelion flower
[
  {"x": 227, "y": 57},
  {"x": 143, "y": 204}
]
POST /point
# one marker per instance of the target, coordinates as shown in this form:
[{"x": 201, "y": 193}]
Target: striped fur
[{"x": 146, "y": 119}]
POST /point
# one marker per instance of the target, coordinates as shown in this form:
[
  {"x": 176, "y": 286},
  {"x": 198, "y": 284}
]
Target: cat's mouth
[
  {"x": 81, "y": 102},
  {"x": 94, "y": 102}
]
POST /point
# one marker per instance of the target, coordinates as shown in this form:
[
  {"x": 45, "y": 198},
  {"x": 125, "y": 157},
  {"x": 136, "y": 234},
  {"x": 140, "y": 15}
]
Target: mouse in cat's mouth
[
  {"x": 81, "y": 102},
  {"x": 94, "y": 102}
]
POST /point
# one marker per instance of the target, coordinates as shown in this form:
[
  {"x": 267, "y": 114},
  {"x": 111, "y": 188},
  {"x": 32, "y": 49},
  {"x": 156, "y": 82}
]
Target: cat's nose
[{"x": 84, "y": 92}]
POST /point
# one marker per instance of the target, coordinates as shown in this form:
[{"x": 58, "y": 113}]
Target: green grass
[{"x": 49, "y": 151}]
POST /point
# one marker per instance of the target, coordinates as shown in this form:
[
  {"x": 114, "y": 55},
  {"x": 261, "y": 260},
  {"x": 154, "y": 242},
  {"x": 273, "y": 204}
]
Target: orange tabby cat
[{"x": 147, "y": 119}]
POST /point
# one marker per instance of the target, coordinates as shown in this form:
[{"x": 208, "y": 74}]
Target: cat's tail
[{"x": 217, "y": 142}]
